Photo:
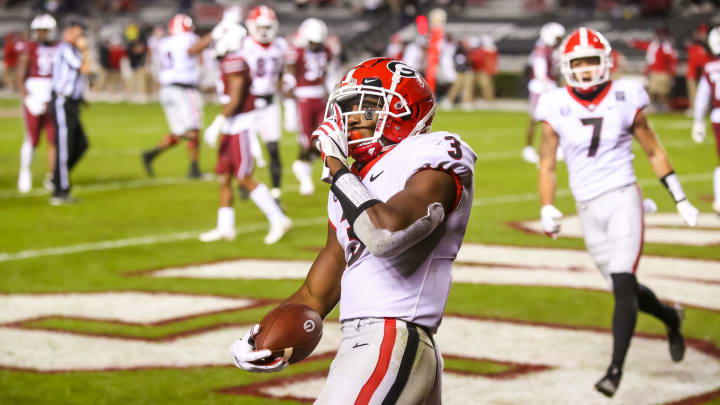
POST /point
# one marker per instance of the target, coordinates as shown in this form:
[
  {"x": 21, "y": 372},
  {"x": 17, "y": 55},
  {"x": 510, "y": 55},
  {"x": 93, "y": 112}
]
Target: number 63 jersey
[
  {"x": 412, "y": 285},
  {"x": 595, "y": 135}
]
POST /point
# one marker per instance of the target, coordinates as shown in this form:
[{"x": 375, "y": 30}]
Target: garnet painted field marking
[
  {"x": 660, "y": 228},
  {"x": 695, "y": 285},
  {"x": 572, "y": 355},
  {"x": 128, "y": 307}
]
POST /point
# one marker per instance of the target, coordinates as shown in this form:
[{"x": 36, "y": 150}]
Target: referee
[{"x": 71, "y": 63}]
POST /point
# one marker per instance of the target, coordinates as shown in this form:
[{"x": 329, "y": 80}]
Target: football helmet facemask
[
  {"x": 393, "y": 93},
  {"x": 262, "y": 24},
  {"x": 585, "y": 43}
]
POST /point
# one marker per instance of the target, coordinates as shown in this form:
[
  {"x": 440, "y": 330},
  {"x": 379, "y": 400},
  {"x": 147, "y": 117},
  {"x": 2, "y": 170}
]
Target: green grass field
[{"x": 151, "y": 224}]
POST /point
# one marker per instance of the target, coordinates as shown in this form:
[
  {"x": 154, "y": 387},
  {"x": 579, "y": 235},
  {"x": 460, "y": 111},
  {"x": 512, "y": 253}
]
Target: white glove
[
  {"x": 213, "y": 131},
  {"x": 219, "y": 30},
  {"x": 649, "y": 206},
  {"x": 288, "y": 82},
  {"x": 36, "y": 106},
  {"x": 698, "y": 132},
  {"x": 331, "y": 141},
  {"x": 243, "y": 354},
  {"x": 548, "y": 218},
  {"x": 688, "y": 212}
]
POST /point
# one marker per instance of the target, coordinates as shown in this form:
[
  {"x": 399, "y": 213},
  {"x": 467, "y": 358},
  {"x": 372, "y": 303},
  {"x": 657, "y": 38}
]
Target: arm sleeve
[
  {"x": 542, "y": 112},
  {"x": 702, "y": 99},
  {"x": 70, "y": 57},
  {"x": 539, "y": 66},
  {"x": 639, "y": 97},
  {"x": 233, "y": 64}
]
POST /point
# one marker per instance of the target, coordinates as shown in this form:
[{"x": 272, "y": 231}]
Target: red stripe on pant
[
  {"x": 386, "y": 349},
  {"x": 716, "y": 130}
]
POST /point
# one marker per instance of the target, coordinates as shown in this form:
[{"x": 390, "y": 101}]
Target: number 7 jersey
[
  {"x": 412, "y": 285},
  {"x": 595, "y": 135}
]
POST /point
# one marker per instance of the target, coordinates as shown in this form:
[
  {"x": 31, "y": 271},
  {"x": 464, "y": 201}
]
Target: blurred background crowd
[{"x": 483, "y": 54}]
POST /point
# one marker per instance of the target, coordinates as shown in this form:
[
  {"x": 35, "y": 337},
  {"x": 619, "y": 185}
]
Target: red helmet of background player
[
  {"x": 583, "y": 43},
  {"x": 262, "y": 24},
  {"x": 405, "y": 106},
  {"x": 180, "y": 23}
]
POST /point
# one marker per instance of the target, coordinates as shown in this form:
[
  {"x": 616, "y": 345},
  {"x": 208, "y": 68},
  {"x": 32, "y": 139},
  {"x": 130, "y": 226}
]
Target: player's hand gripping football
[
  {"x": 330, "y": 139},
  {"x": 548, "y": 218},
  {"x": 687, "y": 212},
  {"x": 698, "y": 132},
  {"x": 244, "y": 354}
]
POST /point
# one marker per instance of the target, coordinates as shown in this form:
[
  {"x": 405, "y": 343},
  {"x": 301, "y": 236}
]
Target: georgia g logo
[
  {"x": 405, "y": 70},
  {"x": 309, "y": 325}
]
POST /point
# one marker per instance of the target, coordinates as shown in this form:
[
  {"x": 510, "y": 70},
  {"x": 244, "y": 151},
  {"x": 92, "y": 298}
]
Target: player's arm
[
  {"x": 702, "y": 102},
  {"x": 661, "y": 166},
  {"x": 547, "y": 181},
  {"x": 235, "y": 85},
  {"x": 321, "y": 289},
  {"x": 388, "y": 229},
  {"x": 21, "y": 75},
  {"x": 200, "y": 44}
]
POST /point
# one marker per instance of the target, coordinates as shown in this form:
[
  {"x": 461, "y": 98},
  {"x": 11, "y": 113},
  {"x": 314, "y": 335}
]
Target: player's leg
[
  {"x": 194, "y": 110},
  {"x": 716, "y": 174},
  {"x": 310, "y": 118},
  {"x": 30, "y": 142},
  {"x": 270, "y": 132},
  {"x": 671, "y": 316},
  {"x": 226, "y": 165},
  {"x": 175, "y": 116},
  {"x": 381, "y": 361},
  {"x": 528, "y": 153},
  {"x": 192, "y": 139}
]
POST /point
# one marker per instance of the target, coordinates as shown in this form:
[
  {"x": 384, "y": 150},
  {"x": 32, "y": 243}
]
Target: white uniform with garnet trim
[
  {"x": 389, "y": 307},
  {"x": 596, "y": 137}
]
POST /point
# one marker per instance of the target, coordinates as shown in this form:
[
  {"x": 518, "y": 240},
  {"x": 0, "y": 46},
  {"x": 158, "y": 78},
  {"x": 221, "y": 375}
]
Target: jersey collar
[
  {"x": 361, "y": 171},
  {"x": 593, "y": 103}
]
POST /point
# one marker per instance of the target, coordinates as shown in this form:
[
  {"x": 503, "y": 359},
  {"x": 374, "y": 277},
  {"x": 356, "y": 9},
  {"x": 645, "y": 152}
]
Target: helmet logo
[
  {"x": 372, "y": 81},
  {"x": 405, "y": 70}
]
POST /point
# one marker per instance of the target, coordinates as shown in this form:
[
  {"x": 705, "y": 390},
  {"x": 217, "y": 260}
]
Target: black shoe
[
  {"x": 675, "y": 337},
  {"x": 609, "y": 384},
  {"x": 194, "y": 171},
  {"x": 62, "y": 198},
  {"x": 147, "y": 158}
]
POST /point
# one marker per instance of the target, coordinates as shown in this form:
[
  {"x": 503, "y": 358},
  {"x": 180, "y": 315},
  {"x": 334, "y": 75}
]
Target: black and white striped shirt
[{"x": 67, "y": 81}]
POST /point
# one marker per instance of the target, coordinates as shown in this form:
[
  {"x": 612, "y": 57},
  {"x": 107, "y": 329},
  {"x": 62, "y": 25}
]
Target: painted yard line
[
  {"x": 565, "y": 192},
  {"x": 145, "y": 240},
  {"x": 102, "y": 186}
]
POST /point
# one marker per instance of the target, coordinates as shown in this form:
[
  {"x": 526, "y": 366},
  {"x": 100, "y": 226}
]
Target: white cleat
[
  {"x": 529, "y": 155},
  {"x": 48, "y": 182},
  {"x": 307, "y": 188},
  {"x": 716, "y": 206},
  {"x": 218, "y": 234},
  {"x": 275, "y": 193},
  {"x": 278, "y": 230},
  {"x": 24, "y": 181},
  {"x": 260, "y": 162}
]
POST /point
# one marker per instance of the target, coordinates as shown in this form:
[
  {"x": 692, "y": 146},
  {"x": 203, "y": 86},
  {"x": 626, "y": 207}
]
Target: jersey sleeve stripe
[{"x": 458, "y": 184}]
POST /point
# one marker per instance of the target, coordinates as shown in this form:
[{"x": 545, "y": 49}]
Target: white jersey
[
  {"x": 266, "y": 63},
  {"x": 708, "y": 93},
  {"x": 177, "y": 66},
  {"x": 596, "y": 135},
  {"x": 414, "y": 285}
]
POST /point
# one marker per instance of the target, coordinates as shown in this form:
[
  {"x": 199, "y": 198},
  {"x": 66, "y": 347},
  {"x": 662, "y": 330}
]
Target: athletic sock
[
  {"x": 649, "y": 303},
  {"x": 255, "y": 148},
  {"x": 625, "y": 289},
  {"x": 226, "y": 219},
  {"x": 302, "y": 170},
  {"x": 26, "y": 155},
  {"x": 261, "y": 197},
  {"x": 716, "y": 183},
  {"x": 152, "y": 153},
  {"x": 275, "y": 165}
]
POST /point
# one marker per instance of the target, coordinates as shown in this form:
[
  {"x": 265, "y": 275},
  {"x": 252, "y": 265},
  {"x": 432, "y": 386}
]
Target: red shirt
[
  {"x": 489, "y": 63},
  {"x": 40, "y": 57},
  {"x": 10, "y": 54},
  {"x": 232, "y": 64},
  {"x": 697, "y": 57},
  {"x": 311, "y": 66},
  {"x": 660, "y": 56}
]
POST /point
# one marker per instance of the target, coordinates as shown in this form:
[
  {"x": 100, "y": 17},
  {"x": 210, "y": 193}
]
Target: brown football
[{"x": 291, "y": 331}]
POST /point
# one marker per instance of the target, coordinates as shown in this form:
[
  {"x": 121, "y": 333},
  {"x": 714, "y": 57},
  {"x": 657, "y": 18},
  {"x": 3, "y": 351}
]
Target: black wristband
[{"x": 354, "y": 198}]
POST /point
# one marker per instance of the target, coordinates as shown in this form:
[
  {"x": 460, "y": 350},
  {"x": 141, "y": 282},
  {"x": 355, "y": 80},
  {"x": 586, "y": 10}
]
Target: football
[{"x": 291, "y": 331}]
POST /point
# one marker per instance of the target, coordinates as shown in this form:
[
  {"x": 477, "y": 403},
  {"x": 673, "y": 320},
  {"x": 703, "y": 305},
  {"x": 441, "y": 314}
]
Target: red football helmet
[
  {"x": 584, "y": 43},
  {"x": 405, "y": 104},
  {"x": 262, "y": 24},
  {"x": 180, "y": 23}
]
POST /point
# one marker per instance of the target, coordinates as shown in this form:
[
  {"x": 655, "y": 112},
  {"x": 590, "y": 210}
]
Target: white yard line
[
  {"x": 102, "y": 186},
  {"x": 144, "y": 240}
]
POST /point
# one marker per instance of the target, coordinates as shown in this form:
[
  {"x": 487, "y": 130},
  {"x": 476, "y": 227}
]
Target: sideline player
[
  {"x": 35, "y": 83},
  {"x": 543, "y": 65},
  {"x": 593, "y": 119},
  {"x": 265, "y": 53},
  {"x": 397, "y": 218},
  {"x": 707, "y": 94},
  {"x": 234, "y": 157},
  {"x": 307, "y": 67},
  {"x": 182, "y": 102}
]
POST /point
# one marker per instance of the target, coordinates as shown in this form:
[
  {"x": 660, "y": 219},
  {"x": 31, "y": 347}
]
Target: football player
[
  {"x": 543, "y": 70},
  {"x": 397, "y": 217},
  {"x": 35, "y": 84},
  {"x": 183, "y": 105},
  {"x": 236, "y": 122},
  {"x": 306, "y": 72},
  {"x": 594, "y": 119},
  {"x": 707, "y": 95},
  {"x": 265, "y": 53}
]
